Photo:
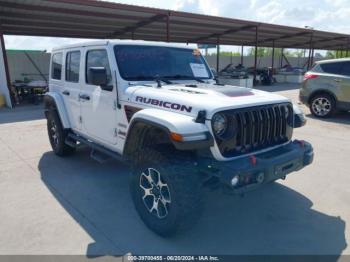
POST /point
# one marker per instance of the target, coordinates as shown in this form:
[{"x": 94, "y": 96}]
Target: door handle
[
  {"x": 66, "y": 93},
  {"x": 84, "y": 97},
  {"x": 337, "y": 80}
]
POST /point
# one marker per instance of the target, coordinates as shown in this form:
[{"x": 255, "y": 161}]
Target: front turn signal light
[{"x": 176, "y": 137}]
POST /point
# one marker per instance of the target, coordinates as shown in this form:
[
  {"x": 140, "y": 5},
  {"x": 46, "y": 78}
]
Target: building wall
[
  {"x": 20, "y": 66},
  {"x": 3, "y": 80}
]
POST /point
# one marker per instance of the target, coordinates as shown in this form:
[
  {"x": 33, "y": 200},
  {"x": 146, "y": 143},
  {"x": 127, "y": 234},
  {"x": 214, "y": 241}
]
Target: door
[
  {"x": 98, "y": 106},
  {"x": 71, "y": 87}
]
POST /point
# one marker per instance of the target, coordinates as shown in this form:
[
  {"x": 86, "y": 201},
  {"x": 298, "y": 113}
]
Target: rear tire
[
  {"x": 57, "y": 135},
  {"x": 166, "y": 195},
  {"x": 322, "y": 105}
]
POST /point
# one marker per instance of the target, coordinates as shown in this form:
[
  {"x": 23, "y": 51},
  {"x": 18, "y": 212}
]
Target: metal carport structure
[{"x": 106, "y": 20}]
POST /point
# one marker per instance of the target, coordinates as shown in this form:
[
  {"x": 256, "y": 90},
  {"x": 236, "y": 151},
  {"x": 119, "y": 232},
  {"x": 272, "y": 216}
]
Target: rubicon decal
[{"x": 164, "y": 104}]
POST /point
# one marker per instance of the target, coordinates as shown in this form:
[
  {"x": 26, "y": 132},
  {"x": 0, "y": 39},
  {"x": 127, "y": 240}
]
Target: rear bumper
[{"x": 254, "y": 171}]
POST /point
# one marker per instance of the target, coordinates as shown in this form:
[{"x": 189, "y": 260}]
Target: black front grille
[{"x": 256, "y": 128}]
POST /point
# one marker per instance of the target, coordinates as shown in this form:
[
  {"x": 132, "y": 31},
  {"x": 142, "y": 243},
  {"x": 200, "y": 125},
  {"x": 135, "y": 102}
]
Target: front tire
[
  {"x": 167, "y": 196},
  {"x": 57, "y": 135},
  {"x": 322, "y": 106}
]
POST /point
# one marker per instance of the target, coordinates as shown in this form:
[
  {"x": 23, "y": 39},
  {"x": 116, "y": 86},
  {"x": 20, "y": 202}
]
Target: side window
[
  {"x": 73, "y": 66},
  {"x": 316, "y": 68},
  {"x": 346, "y": 68},
  {"x": 56, "y": 67},
  {"x": 332, "y": 68},
  {"x": 98, "y": 58}
]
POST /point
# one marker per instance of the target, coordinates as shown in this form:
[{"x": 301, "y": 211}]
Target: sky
[{"x": 328, "y": 15}]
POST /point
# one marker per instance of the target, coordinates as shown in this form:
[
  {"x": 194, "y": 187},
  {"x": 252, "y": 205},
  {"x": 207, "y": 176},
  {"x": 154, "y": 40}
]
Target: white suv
[{"x": 158, "y": 107}]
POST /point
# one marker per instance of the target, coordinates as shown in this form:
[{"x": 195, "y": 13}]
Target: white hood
[{"x": 210, "y": 97}]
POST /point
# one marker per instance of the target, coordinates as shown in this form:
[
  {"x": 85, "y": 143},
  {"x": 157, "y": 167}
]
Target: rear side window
[
  {"x": 332, "y": 68},
  {"x": 56, "y": 67},
  {"x": 97, "y": 58},
  {"x": 317, "y": 68},
  {"x": 346, "y": 68},
  {"x": 73, "y": 66}
]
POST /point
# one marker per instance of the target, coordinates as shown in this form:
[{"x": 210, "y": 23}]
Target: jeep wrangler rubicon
[{"x": 157, "y": 107}]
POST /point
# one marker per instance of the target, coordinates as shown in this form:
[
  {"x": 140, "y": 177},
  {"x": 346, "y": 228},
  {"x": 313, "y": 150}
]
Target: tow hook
[{"x": 253, "y": 160}]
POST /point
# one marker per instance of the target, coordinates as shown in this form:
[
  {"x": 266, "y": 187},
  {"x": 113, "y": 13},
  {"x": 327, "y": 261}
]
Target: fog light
[
  {"x": 260, "y": 178},
  {"x": 235, "y": 181}
]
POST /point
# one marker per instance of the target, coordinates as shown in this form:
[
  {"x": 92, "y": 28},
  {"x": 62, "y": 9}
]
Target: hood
[{"x": 189, "y": 99}]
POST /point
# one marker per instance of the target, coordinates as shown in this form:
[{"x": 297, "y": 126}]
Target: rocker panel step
[{"x": 95, "y": 147}]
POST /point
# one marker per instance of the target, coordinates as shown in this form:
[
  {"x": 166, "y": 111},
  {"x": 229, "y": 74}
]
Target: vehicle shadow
[
  {"x": 276, "y": 220},
  {"x": 339, "y": 118}
]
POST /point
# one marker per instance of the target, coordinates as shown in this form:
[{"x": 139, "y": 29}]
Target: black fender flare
[
  {"x": 53, "y": 101},
  {"x": 138, "y": 128}
]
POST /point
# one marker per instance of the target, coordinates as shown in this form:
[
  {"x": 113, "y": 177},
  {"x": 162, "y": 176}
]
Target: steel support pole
[
  {"x": 5, "y": 78},
  {"x": 312, "y": 57},
  {"x": 242, "y": 59},
  {"x": 310, "y": 50},
  {"x": 281, "y": 60},
  {"x": 217, "y": 55},
  {"x": 273, "y": 56},
  {"x": 168, "y": 28},
  {"x": 255, "y": 55}
]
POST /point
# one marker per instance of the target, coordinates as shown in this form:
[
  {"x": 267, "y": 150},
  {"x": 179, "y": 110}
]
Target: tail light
[{"x": 308, "y": 76}]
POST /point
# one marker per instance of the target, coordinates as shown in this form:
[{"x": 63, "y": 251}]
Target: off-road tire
[
  {"x": 57, "y": 135},
  {"x": 327, "y": 101},
  {"x": 184, "y": 190}
]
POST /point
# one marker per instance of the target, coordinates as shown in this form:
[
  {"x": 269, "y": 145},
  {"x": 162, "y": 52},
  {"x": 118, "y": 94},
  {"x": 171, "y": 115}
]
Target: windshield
[{"x": 143, "y": 63}]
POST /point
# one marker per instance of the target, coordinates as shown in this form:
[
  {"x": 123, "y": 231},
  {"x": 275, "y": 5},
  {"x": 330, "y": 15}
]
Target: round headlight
[{"x": 219, "y": 124}]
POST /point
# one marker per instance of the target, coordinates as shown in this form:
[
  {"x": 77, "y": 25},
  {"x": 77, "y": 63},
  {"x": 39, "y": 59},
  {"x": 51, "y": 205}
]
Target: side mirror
[{"x": 98, "y": 76}]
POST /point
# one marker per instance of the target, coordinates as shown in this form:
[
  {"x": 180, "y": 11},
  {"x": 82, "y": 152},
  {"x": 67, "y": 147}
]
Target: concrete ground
[{"x": 51, "y": 205}]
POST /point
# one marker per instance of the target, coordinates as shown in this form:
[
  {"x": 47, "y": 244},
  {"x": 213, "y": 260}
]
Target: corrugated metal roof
[{"x": 106, "y": 20}]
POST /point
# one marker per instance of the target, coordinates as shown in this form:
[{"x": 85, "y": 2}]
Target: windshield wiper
[
  {"x": 157, "y": 79},
  {"x": 184, "y": 77}
]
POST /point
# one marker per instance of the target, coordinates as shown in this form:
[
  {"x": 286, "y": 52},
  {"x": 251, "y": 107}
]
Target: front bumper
[{"x": 254, "y": 171}]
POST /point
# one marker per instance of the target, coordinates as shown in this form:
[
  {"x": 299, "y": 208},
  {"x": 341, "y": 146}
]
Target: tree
[
  {"x": 264, "y": 51},
  {"x": 226, "y": 53},
  {"x": 336, "y": 54},
  {"x": 298, "y": 53}
]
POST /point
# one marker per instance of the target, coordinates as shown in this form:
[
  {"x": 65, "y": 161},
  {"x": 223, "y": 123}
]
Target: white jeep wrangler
[{"x": 158, "y": 107}]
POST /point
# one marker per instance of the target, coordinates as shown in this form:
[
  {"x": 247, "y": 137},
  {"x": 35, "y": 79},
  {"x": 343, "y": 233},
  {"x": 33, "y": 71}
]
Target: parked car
[
  {"x": 326, "y": 87},
  {"x": 157, "y": 107}
]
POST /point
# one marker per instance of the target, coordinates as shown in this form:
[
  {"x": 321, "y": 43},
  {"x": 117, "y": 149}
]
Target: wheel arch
[
  {"x": 322, "y": 91},
  {"x": 159, "y": 126},
  {"x": 142, "y": 133},
  {"x": 53, "y": 101}
]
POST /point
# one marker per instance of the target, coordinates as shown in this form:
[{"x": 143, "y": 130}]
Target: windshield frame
[{"x": 210, "y": 73}]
